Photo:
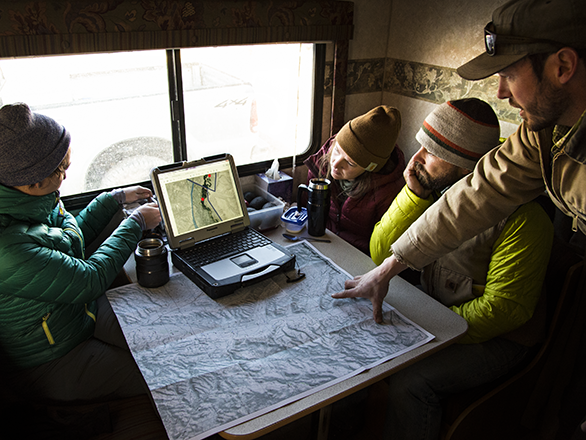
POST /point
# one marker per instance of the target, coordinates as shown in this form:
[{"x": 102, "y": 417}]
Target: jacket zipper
[
  {"x": 46, "y": 329},
  {"x": 90, "y": 314},
  {"x": 574, "y": 217},
  {"x": 80, "y": 239}
]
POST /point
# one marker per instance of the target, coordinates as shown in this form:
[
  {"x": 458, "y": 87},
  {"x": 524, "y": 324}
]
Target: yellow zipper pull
[
  {"x": 575, "y": 224},
  {"x": 46, "y": 329},
  {"x": 90, "y": 314}
]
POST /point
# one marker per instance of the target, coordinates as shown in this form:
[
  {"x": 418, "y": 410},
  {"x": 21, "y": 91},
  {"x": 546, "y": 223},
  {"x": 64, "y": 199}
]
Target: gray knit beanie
[
  {"x": 31, "y": 145},
  {"x": 460, "y": 132}
]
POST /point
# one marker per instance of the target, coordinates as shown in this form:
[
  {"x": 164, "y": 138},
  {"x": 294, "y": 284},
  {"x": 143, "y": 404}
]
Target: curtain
[{"x": 85, "y": 26}]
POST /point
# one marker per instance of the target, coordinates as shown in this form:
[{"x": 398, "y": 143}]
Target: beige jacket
[{"x": 506, "y": 177}]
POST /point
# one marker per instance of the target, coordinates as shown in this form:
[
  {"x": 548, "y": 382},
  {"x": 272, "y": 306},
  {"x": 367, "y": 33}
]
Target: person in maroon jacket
[{"x": 366, "y": 170}]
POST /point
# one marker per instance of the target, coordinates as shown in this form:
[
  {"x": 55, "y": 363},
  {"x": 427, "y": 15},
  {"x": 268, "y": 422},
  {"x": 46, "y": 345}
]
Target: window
[
  {"x": 254, "y": 102},
  {"x": 259, "y": 104}
]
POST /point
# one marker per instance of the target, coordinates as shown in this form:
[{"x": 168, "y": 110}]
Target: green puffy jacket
[{"x": 47, "y": 287}]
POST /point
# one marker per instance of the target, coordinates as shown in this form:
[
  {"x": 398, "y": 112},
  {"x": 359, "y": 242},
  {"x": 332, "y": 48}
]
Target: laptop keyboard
[{"x": 222, "y": 247}]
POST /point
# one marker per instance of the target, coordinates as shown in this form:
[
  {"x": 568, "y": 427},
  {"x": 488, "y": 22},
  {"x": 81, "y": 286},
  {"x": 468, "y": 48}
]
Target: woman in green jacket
[{"x": 58, "y": 336}]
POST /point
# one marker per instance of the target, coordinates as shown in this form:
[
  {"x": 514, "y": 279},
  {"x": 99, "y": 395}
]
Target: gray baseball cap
[{"x": 523, "y": 27}]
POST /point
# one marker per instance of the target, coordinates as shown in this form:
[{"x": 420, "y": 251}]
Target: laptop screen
[{"x": 198, "y": 196}]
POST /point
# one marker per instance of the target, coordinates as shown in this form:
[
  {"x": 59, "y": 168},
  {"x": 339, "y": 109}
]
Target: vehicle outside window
[
  {"x": 276, "y": 110},
  {"x": 254, "y": 102}
]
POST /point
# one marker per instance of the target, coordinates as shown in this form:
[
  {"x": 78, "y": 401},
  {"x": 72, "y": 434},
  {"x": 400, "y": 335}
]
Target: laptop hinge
[
  {"x": 238, "y": 227},
  {"x": 188, "y": 242}
]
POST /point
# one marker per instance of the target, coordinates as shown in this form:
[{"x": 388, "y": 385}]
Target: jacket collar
[{"x": 24, "y": 207}]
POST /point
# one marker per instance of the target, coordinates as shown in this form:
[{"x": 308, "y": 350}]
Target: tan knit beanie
[
  {"x": 460, "y": 132},
  {"x": 370, "y": 139}
]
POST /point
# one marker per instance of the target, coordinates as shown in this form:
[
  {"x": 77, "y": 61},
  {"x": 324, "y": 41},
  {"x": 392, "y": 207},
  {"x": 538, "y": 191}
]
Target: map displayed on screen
[{"x": 199, "y": 197}]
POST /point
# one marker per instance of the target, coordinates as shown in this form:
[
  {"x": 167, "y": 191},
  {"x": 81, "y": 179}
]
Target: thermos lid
[
  {"x": 319, "y": 183},
  {"x": 149, "y": 247}
]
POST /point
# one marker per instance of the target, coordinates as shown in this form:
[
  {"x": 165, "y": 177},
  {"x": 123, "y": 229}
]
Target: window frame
[{"x": 177, "y": 121}]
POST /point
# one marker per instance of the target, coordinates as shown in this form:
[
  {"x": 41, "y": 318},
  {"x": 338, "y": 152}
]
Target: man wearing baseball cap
[{"x": 537, "y": 47}]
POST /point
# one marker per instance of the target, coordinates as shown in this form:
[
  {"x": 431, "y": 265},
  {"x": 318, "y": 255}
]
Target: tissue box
[
  {"x": 279, "y": 188},
  {"x": 267, "y": 218}
]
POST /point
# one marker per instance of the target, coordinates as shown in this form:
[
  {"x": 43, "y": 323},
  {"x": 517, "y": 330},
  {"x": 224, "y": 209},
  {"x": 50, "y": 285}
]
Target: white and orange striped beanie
[{"x": 460, "y": 131}]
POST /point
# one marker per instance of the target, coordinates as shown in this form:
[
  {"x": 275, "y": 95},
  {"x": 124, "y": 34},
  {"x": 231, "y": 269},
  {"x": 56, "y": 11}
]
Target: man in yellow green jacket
[{"x": 494, "y": 280}]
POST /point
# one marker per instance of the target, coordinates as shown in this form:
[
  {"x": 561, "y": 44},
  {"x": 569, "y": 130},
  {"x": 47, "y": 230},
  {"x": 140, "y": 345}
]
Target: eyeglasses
[{"x": 490, "y": 39}]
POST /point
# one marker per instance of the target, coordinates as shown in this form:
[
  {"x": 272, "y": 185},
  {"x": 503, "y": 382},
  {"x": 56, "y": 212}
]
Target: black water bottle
[{"x": 318, "y": 205}]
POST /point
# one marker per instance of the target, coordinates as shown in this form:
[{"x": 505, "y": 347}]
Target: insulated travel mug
[
  {"x": 152, "y": 266},
  {"x": 318, "y": 204}
]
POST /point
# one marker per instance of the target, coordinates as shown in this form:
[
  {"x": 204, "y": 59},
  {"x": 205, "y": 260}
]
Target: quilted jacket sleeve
[
  {"x": 515, "y": 276},
  {"x": 40, "y": 262},
  {"x": 405, "y": 209},
  {"x": 96, "y": 215}
]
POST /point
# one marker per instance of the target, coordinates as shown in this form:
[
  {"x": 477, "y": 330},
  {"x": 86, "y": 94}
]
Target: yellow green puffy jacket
[{"x": 506, "y": 296}]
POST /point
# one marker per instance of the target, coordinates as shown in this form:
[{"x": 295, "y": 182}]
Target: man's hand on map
[{"x": 373, "y": 285}]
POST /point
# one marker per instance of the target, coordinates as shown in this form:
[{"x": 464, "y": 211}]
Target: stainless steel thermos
[{"x": 318, "y": 204}]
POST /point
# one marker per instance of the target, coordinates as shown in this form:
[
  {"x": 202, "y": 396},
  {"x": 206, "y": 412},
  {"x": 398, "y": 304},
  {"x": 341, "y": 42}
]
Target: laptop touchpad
[
  {"x": 241, "y": 264},
  {"x": 244, "y": 260}
]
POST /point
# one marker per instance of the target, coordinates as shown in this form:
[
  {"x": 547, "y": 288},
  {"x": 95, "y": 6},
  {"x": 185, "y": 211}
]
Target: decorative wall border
[{"x": 431, "y": 83}]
